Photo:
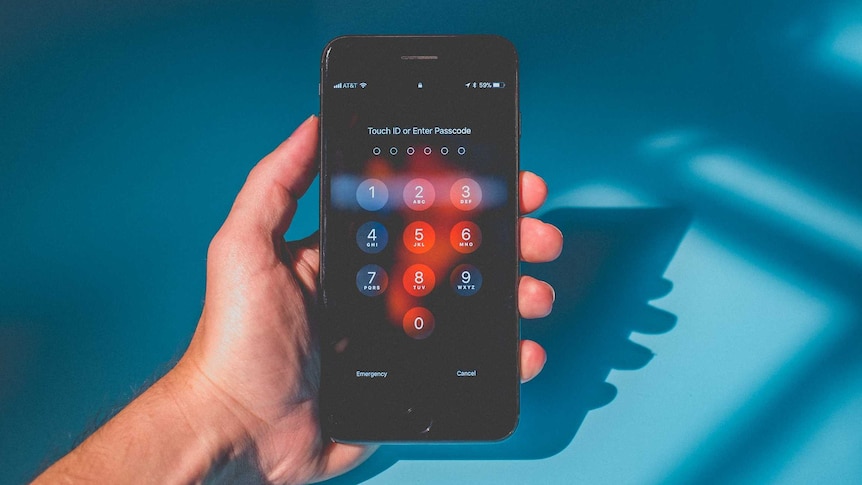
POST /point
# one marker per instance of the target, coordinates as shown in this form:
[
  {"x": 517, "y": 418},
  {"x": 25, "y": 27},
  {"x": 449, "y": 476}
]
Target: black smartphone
[{"x": 419, "y": 327}]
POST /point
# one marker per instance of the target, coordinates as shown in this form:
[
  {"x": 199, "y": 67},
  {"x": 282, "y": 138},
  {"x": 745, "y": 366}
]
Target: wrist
[
  {"x": 177, "y": 431},
  {"x": 217, "y": 426},
  {"x": 241, "y": 444}
]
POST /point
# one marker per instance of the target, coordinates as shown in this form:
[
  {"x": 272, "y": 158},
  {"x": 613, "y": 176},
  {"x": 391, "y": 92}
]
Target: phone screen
[{"x": 419, "y": 256}]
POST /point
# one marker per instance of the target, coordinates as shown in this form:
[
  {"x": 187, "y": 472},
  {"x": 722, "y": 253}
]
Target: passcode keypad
[{"x": 427, "y": 203}]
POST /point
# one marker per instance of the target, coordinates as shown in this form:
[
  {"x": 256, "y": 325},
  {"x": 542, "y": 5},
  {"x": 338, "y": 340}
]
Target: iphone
[{"x": 419, "y": 327}]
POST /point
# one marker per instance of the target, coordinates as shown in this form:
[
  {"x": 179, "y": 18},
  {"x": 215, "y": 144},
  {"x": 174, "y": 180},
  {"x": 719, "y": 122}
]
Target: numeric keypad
[{"x": 419, "y": 237}]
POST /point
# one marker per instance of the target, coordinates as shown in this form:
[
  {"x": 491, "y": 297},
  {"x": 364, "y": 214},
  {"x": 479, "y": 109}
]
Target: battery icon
[{"x": 498, "y": 85}]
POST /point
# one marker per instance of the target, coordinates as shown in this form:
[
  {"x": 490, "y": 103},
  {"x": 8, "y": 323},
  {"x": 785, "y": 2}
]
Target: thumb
[{"x": 267, "y": 201}]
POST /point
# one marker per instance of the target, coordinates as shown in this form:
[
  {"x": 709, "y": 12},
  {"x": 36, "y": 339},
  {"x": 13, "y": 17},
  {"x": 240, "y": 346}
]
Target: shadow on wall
[{"x": 611, "y": 267}]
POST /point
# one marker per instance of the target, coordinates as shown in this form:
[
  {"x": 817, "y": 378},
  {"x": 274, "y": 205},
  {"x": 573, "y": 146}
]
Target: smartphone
[{"x": 419, "y": 327}]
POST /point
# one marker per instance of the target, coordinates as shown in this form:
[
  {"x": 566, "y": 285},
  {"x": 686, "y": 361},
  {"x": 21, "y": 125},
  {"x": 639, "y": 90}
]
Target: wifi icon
[{"x": 362, "y": 85}]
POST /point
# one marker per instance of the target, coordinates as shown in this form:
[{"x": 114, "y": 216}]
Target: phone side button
[{"x": 519, "y": 125}]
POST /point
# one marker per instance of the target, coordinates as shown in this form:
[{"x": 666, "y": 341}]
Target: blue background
[{"x": 703, "y": 160}]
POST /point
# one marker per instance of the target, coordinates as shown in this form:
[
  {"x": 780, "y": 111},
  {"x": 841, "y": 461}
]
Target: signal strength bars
[{"x": 349, "y": 85}]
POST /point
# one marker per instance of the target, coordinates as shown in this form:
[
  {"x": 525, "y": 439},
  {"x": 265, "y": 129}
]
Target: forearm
[{"x": 175, "y": 432}]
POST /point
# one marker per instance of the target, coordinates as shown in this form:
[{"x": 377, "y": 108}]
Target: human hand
[
  {"x": 245, "y": 391},
  {"x": 255, "y": 345}
]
